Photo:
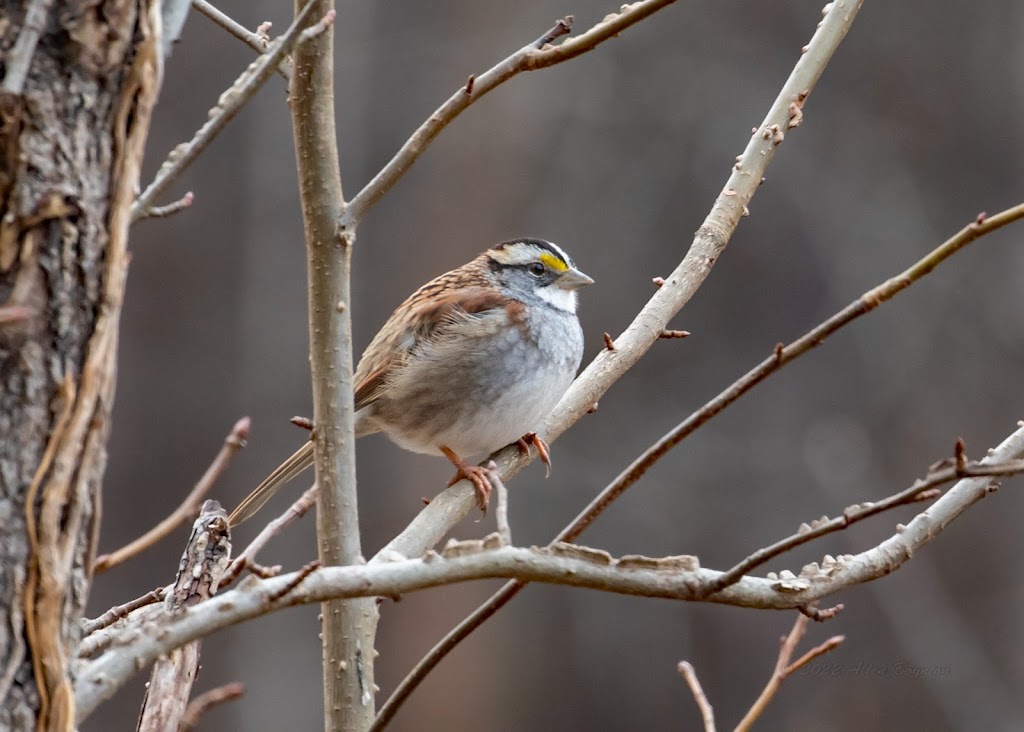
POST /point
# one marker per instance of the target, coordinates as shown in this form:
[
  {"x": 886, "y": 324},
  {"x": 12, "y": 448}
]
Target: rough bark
[{"x": 79, "y": 82}]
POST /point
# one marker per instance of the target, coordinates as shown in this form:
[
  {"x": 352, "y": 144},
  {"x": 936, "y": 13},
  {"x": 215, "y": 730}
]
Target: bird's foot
[
  {"x": 474, "y": 474},
  {"x": 531, "y": 438}
]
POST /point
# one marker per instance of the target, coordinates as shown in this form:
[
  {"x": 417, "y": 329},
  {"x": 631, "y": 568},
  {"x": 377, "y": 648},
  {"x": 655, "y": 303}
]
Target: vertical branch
[{"x": 348, "y": 625}]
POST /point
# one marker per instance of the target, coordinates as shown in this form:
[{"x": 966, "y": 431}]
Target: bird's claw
[{"x": 531, "y": 438}]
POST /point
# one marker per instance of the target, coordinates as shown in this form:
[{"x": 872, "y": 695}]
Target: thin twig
[
  {"x": 248, "y": 557},
  {"x": 501, "y": 509},
  {"x": 162, "y": 212},
  {"x": 302, "y": 574},
  {"x": 188, "y": 508},
  {"x": 707, "y": 713},
  {"x": 861, "y": 511},
  {"x": 672, "y": 294},
  {"x": 122, "y": 611},
  {"x": 784, "y": 669},
  {"x": 206, "y": 701},
  {"x": 528, "y": 58},
  {"x": 19, "y": 58},
  {"x": 231, "y": 102},
  {"x": 256, "y": 42}
]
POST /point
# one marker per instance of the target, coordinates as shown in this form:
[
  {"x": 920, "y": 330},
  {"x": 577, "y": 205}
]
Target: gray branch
[{"x": 143, "y": 638}]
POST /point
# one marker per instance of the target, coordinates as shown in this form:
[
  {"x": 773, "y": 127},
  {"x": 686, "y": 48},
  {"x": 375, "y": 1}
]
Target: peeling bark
[{"x": 79, "y": 82}]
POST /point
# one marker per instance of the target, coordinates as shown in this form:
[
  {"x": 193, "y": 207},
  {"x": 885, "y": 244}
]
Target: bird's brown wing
[{"x": 464, "y": 310}]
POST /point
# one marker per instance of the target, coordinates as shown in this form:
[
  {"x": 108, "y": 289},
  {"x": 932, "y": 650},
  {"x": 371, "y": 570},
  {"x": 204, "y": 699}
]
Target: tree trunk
[{"x": 79, "y": 81}]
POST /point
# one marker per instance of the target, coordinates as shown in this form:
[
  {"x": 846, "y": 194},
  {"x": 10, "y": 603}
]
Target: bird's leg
[
  {"x": 531, "y": 438},
  {"x": 473, "y": 473}
]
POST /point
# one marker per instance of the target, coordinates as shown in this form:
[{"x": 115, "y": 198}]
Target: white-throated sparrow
[{"x": 472, "y": 361}]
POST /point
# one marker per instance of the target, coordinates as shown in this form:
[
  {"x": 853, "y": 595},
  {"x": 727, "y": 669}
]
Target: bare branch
[
  {"x": 257, "y": 42},
  {"x": 162, "y": 212},
  {"x": 202, "y": 564},
  {"x": 501, "y": 510},
  {"x": 622, "y": 353},
  {"x": 347, "y": 627},
  {"x": 207, "y": 700},
  {"x": 122, "y": 611},
  {"x": 449, "y": 507},
  {"x": 784, "y": 669},
  {"x": 19, "y": 58},
  {"x": 248, "y": 557},
  {"x": 189, "y": 507},
  {"x": 923, "y": 489},
  {"x": 707, "y": 714},
  {"x": 141, "y": 641},
  {"x": 231, "y": 102},
  {"x": 535, "y": 55}
]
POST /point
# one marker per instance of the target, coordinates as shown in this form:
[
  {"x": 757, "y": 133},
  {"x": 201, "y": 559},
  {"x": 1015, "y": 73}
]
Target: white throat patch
[{"x": 558, "y": 297}]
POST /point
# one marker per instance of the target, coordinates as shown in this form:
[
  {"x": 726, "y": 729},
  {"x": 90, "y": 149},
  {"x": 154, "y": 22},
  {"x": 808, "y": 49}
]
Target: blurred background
[{"x": 617, "y": 156}]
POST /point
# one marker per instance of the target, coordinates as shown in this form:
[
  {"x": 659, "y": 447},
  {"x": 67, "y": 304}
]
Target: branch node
[
  {"x": 301, "y": 575},
  {"x": 562, "y": 27},
  {"x": 820, "y": 616},
  {"x": 608, "y": 342}
]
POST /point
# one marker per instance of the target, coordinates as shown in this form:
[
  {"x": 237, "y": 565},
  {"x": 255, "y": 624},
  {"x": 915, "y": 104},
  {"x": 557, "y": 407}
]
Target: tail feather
[{"x": 286, "y": 471}]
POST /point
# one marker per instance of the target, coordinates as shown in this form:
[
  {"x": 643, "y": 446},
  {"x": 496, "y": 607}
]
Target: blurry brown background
[{"x": 617, "y": 156}]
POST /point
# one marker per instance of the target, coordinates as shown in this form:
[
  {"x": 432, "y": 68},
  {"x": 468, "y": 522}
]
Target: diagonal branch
[
  {"x": 673, "y": 293},
  {"x": 141, "y": 639},
  {"x": 449, "y": 507},
  {"x": 234, "y": 442},
  {"x": 255, "y": 41},
  {"x": 533, "y": 56},
  {"x": 784, "y": 668},
  {"x": 981, "y": 226},
  {"x": 230, "y": 104}
]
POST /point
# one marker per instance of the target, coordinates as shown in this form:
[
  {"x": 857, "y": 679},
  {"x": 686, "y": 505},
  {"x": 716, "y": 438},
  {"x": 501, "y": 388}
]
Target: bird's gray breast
[{"x": 477, "y": 394}]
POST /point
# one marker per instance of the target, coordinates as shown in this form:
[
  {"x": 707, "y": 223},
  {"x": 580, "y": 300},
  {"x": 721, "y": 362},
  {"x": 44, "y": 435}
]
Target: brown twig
[
  {"x": 820, "y": 616},
  {"x": 608, "y": 342},
  {"x": 861, "y": 511},
  {"x": 784, "y": 669},
  {"x": 199, "y": 572},
  {"x": 206, "y": 701},
  {"x": 302, "y": 574},
  {"x": 562, "y": 27},
  {"x": 707, "y": 713},
  {"x": 535, "y": 55},
  {"x": 247, "y": 559},
  {"x": 114, "y": 614},
  {"x": 188, "y": 508},
  {"x": 231, "y": 102},
  {"x": 674, "y": 333},
  {"x": 255, "y": 41}
]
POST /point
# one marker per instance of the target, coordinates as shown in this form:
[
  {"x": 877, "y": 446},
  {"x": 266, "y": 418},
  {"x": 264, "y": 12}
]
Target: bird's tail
[{"x": 290, "y": 468}]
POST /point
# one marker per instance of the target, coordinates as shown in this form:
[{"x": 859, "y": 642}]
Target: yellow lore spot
[{"x": 553, "y": 262}]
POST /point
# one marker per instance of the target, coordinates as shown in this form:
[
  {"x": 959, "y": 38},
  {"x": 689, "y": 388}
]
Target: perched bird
[{"x": 472, "y": 361}]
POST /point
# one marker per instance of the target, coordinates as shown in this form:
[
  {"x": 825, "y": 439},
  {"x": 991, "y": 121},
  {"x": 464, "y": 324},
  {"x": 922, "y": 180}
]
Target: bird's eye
[{"x": 537, "y": 269}]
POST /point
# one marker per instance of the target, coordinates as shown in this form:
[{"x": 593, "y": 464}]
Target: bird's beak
[{"x": 573, "y": 279}]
